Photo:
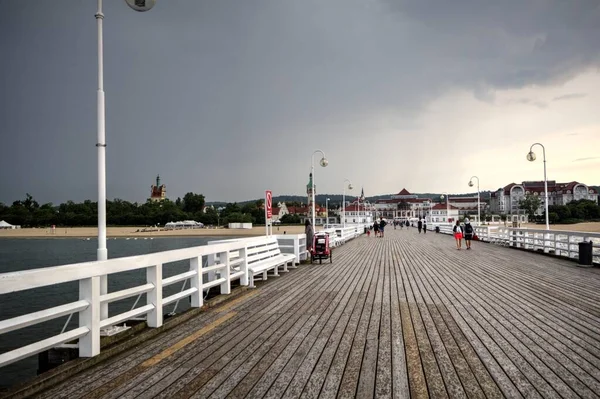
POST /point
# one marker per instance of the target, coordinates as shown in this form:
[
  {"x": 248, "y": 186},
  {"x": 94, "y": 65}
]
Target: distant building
[
  {"x": 506, "y": 200},
  {"x": 405, "y": 205},
  {"x": 158, "y": 192}
]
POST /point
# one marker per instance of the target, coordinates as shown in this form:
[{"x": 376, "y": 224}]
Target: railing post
[
  {"x": 297, "y": 249},
  {"x": 196, "y": 282},
  {"x": 154, "y": 276},
  {"x": 89, "y": 290},
  {"x": 244, "y": 265},
  {"x": 226, "y": 286}
]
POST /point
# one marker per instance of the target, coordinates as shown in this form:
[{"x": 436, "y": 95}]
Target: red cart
[{"x": 321, "y": 249}]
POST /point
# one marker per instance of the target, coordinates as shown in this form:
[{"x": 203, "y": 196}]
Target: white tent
[{"x": 5, "y": 225}]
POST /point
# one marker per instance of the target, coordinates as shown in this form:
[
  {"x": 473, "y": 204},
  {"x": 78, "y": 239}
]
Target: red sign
[{"x": 269, "y": 204}]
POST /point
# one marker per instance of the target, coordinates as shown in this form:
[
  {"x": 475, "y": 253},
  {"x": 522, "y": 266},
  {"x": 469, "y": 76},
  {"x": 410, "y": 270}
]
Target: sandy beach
[{"x": 83, "y": 232}]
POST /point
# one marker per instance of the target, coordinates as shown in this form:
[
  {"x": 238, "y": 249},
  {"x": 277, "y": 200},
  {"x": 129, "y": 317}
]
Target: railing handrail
[
  {"x": 227, "y": 258},
  {"x": 41, "y": 277}
]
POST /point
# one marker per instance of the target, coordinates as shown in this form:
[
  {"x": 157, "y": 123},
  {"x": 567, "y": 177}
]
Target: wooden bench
[{"x": 264, "y": 255}]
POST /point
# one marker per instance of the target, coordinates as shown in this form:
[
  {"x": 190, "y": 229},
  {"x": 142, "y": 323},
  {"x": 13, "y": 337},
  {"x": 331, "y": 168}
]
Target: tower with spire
[{"x": 158, "y": 192}]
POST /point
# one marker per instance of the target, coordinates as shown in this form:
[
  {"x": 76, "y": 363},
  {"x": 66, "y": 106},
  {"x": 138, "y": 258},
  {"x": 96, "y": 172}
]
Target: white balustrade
[
  {"x": 225, "y": 262},
  {"x": 558, "y": 242}
]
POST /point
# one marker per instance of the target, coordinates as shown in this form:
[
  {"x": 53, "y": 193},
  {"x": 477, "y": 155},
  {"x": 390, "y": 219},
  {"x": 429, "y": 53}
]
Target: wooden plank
[
  {"x": 396, "y": 316},
  {"x": 333, "y": 379},
  {"x": 257, "y": 353},
  {"x": 383, "y": 375},
  {"x": 351, "y": 375},
  {"x": 275, "y": 379},
  {"x": 191, "y": 365},
  {"x": 400, "y": 387}
]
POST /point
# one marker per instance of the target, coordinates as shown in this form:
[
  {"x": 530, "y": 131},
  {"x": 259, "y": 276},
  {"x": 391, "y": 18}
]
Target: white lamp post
[
  {"x": 102, "y": 252},
  {"x": 324, "y": 162},
  {"x": 478, "y": 199},
  {"x": 447, "y": 205},
  {"x": 327, "y": 211},
  {"x": 344, "y": 199},
  {"x": 531, "y": 158}
]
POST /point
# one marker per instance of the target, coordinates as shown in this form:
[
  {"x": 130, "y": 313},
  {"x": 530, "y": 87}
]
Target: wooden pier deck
[{"x": 402, "y": 316}]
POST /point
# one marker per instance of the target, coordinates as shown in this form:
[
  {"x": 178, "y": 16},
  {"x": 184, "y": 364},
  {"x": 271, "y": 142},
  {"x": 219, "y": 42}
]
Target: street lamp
[
  {"x": 531, "y": 158},
  {"x": 327, "y": 211},
  {"x": 344, "y": 199},
  {"x": 478, "y": 199},
  {"x": 102, "y": 251},
  {"x": 447, "y": 205},
  {"x": 324, "y": 162}
]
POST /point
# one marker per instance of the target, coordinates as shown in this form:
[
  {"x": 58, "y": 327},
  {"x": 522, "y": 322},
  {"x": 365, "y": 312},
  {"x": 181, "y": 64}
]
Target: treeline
[
  {"x": 29, "y": 213},
  {"x": 574, "y": 212}
]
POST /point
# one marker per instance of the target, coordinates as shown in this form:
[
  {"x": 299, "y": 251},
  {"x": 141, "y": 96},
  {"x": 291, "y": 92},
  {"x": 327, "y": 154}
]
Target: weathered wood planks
[{"x": 405, "y": 315}]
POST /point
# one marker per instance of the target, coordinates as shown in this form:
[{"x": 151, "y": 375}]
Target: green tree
[
  {"x": 193, "y": 202},
  {"x": 530, "y": 204},
  {"x": 290, "y": 219}
]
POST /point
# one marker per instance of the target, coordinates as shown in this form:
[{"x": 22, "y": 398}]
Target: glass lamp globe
[
  {"x": 350, "y": 186},
  {"x": 470, "y": 183},
  {"x": 531, "y": 156},
  {"x": 324, "y": 162},
  {"x": 140, "y": 5}
]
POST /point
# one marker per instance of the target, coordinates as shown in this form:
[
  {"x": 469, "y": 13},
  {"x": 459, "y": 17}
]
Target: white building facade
[{"x": 506, "y": 200}]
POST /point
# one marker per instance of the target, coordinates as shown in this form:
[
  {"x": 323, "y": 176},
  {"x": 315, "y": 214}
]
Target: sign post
[{"x": 268, "y": 212}]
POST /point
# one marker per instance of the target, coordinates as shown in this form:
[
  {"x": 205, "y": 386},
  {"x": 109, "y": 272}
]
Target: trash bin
[
  {"x": 585, "y": 253},
  {"x": 437, "y": 229}
]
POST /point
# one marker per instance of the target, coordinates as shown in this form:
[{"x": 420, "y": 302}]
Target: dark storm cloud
[{"x": 229, "y": 98}]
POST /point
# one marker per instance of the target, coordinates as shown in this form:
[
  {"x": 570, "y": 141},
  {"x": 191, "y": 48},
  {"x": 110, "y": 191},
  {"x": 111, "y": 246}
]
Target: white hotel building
[{"x": 506, "y": 200}]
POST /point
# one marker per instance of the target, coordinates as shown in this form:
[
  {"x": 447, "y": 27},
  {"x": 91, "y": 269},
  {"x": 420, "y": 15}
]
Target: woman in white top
[{"x": 458, "y": 234}]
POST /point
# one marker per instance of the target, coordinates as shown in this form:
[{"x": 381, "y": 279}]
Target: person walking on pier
[
  {"x": 419, "y": 225},
  {"x": 468, "y": 233},
  {"x": 458, "y": 234},
  {"x": 382, "y": 224},
  {"x": 424, "y": 226},
  {"x": 376, "y": 228},
  {"x": 308, "y": 230}
]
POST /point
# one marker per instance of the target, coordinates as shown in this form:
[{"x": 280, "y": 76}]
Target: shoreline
[{"x": 135, "y": 232}]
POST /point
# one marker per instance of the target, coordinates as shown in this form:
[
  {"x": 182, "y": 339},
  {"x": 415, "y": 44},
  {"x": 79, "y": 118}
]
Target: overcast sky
[{"x": 231, "y": 97}]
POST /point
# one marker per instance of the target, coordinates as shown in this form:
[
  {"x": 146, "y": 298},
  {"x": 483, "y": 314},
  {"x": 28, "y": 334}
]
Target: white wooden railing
[
  {"x": 216, "y": 264},
  {"x": 557, "y": 242}
]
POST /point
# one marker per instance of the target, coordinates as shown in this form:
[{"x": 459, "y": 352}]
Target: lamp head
[
  {"x": 531, "y": 156},
  {"x": 442, "y": 197},
  {"x": 470, "y": 183},
  {"x": 140, "y": 5},
  {"x": 350, "y": 186},
  {"x": 324, "y": 162}
]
